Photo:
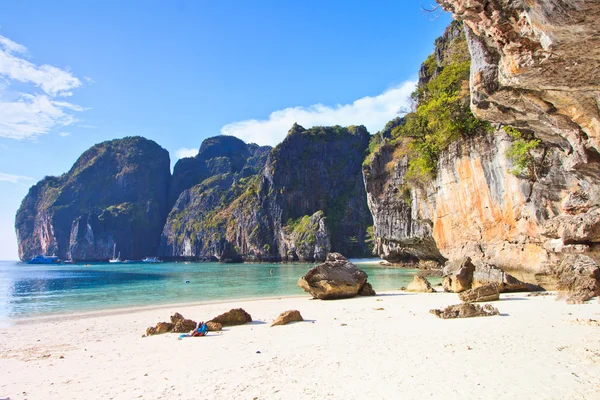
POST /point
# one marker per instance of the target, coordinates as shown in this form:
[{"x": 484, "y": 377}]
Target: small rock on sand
[
  {"x": 465, "y": 310},
  {"x": 287, "y": 317},
  {"x": 214, "y": 326},
  {"x": 420, "y": 284}
]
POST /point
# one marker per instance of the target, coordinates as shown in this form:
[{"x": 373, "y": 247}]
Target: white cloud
[
  {"x": 29, "y": 115},
  {"x": 184, "y": 152},
  {"x": 14, "y": 178},
  {"x": 32, "y": 116},
  {"x": 64, "y": 134},
  {"x": 11, "y": 46},
  {"x": 373, "y": 112},
  {"x": 52, "y": 80}
]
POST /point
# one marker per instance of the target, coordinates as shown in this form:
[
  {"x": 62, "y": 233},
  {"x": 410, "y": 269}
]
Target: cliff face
[
  {"x": 115, "y": 194},
  {"x": 203, "y": 187},
  {"x": 308, "y": 199},
  {"x": 530, "y": 71}
]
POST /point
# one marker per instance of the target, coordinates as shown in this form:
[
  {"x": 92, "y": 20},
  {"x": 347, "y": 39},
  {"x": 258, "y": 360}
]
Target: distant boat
[
  {"x": 42, "y": 259},
  {"x": 129, "y": 262},
  {"x": 117, "y": 259},
  {"x": 69, "y": 262},
  {"x": 152, "y": 260}
]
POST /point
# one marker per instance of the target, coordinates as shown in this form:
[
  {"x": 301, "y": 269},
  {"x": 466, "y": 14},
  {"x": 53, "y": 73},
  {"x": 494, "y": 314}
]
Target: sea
[{"x": 29, "y": 291}]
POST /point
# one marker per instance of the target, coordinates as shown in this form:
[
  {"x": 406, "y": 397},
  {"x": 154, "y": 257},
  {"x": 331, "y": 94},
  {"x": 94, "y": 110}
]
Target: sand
[{"x": 539, "y": 348}]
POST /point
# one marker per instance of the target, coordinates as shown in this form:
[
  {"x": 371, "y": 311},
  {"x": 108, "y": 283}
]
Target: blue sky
[{"x": 73, "y": 74}]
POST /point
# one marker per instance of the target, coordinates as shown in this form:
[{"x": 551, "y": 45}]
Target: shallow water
[{"x": 33, "y": 290}]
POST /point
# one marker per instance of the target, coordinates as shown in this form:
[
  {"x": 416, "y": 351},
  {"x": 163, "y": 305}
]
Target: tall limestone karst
[
  {"x": 114, "y": 195},
  {"x": 521, "y": 190},
  {"x": 307, "y": 200}
]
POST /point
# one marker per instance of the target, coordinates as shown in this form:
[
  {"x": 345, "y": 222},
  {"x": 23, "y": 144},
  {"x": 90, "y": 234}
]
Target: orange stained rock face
[{"x": 467, "y": 211}]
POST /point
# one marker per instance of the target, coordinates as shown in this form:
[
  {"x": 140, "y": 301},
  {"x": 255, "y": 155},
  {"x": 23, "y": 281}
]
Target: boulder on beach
[
  {"x": 463, "y": 275},
  {"x": 487, "y": 292},
  {"x": 336, "y": 278},
  {"x": 214, "y": 326},
  {"x": 236, "y": 316},
  {"x": 458, "y": 275},
  {"x": 578, "y": 278},
  {"x": 287, "y": 316},
  {"x": 160, "y": 328},
  {"x": 465, "y": 310},
  {"x": 420, "y": 284}
]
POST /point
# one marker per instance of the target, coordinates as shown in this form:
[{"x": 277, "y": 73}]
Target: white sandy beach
[{"x": 532, "y": 351}]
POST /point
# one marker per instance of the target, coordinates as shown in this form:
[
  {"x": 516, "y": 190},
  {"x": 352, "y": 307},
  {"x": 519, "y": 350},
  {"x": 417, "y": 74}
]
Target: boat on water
[
  {"x": 42, "y": 259},
  {"x": 129, "y": 262},
  {"x": 152, "y": 260},
  {"x": 115, "y": 260}
]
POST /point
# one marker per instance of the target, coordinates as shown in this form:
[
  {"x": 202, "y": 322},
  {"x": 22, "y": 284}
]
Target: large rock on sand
[
  {"x": 578, "y": 279},
  {"x": 465, "y": 310},
  {"x": 160, "y": 328},
  {"x": 236, "y": 316},
  {"x": 420, "y": 284},
  {"x": 336, "y": 278},
  {"x": 458, "y": 276},
  {"x": 487, "y": 292},
  {"x": 287, "y": 317}
]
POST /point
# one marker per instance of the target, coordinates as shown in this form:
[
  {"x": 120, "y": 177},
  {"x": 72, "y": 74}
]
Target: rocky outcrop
[
  {"x": 367, "y": 290},
  {"x": 336, "y": 278},
  {"x": 420, "y": 284},
  {"x": 487, "y": 292},
  {"x": 536, "y": 65},
  {"x": 115, "y": 195},
  {"x": 235, "y": 316},
  {"x": 286, "y": 317},
  {"x": 578, "y": 278},
  {"x": 477, "y": 203},
  {"x": 465, "y": 310}
]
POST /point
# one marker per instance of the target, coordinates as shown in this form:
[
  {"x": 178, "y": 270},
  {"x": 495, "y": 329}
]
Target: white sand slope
[{"x": 532, "y": 351}]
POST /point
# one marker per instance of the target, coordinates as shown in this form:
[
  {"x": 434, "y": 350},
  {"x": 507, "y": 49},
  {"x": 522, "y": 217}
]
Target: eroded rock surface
[
  {"x": 487, "y": 292},
  {"x": 578, "y": 278},
  {"x": 465, "y": 310}
]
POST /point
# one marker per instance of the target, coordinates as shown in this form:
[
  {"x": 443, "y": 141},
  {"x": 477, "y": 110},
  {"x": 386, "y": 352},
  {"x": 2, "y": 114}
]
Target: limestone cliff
[
  {"x": 115, "y": 194},
  {"x": 476, "y": 201},
  {"x": 308, "y": 200}
]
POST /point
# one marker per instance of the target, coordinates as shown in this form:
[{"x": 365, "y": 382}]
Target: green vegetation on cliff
[{"x": 441, "y": 112}]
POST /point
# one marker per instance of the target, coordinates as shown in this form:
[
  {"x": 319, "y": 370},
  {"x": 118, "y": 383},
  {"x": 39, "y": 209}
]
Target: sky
[{"x": 73, "y": 74}]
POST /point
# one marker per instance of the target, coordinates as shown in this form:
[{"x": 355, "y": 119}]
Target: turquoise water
[{"x": 33, "y": 290}]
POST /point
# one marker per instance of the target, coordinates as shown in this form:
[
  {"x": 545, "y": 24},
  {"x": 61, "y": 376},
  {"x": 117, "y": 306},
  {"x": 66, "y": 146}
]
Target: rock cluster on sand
[
  {"x": 465, "y": 310},
  {"x": 420, "y": 284},
  {"x": 235, "y": 316},
  {"x": 336, "y": 278},
  {"x": 178, "y": 324},
  {"x": 287, "y": 316},
  {"x": 463, "y": 275},
  {"x": 487, "y": 292},
  {"x": 578, "y": 278}
]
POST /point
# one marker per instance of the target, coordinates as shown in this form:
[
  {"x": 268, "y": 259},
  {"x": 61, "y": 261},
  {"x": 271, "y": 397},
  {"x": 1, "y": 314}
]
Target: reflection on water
[{"x": 28, "y": 290}]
